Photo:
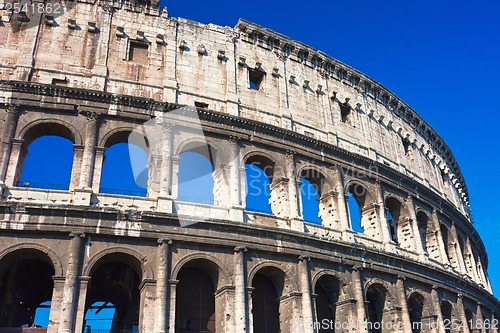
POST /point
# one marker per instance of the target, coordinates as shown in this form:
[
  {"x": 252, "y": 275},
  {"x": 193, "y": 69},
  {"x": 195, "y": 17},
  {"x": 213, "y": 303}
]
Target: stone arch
[
  {"x": 54, "y": 258},
  {"x": 41, "y": 127},
  {"x": 376, "y": 296},
  {"x": 223, "y": 280},
  {"x": 367, "y": 210},
  {"x": 331, "y": 272},
  {"x": 140, "y": 263},
  {"x": 289, "y": 284},
  {"x": 321, "y": 198},
  {"x": 259, "y": 158},
  {"x": 118, "y": 135},
  {"x": 398, "y": 221},
  {"x": 270, "y": 307},
  {"x": 189, "y": 143}
]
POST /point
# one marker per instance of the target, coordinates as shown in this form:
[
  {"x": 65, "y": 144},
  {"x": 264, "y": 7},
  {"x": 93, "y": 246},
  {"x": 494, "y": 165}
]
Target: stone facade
[{"x": 94, "y": 73}]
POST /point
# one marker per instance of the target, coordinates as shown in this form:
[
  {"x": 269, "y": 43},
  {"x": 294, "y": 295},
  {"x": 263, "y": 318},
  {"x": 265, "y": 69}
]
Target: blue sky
[{"x": 440, "y": 57}]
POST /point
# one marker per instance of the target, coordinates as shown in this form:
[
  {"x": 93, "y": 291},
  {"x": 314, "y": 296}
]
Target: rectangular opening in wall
[
  {"x": 201, "y": 105},
  {"x": 255, "y": 78},
  {"x": 59, "y": 82},
  {"x": 138, "y": 52}
]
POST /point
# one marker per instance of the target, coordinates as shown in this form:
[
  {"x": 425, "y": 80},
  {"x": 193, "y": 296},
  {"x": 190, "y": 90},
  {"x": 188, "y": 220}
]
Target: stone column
[
  {"x": 360, "y": 300},
  {"x": 166, "y": 171},
  {"x": 296, "y": 221},
  {"x": 234, "y": 180},
  {"x": 240, "y": 320},
  {"x": 173, "y": 300},
  {"x": 436, "y": 304},
  {"x": 249, "y": 291},
  {"x": 405, "y": 315},
  {"x": 147, "y": 302},
  {"x": 88, "y": 160},
  {"x": 462, "y": 315},
  {"x": 444, "y": 257},
  {"x": 305, "y": 288},
  {"x": 99, "y": 160},
  {"x": 161, "y": 298},
  {"x": 55, "y": 304},
  {"x": 70, "y": 296},
  {"x": 80, "y": 315},
  {"x": 14, "y": 166},
  {"x": 383, "y": 227},
  {"x": 344, "y": 218},
  {"x": 8, "y": 133}
]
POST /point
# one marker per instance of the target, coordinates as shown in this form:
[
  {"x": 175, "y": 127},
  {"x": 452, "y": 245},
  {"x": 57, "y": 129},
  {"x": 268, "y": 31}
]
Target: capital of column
[
  {"x": 74, "y": 234},
  {"x": 401, "y": 278},
  {"x": 13, "y": 108},
  {"x": 435, "y": 287},
  {"x": 290, "y": 153},
  {"x": 241, "y": 249},
  {"x": 91, "y": 116},
  {"x": 173, "y": 283},
  {"x": 233, "y": 139},
  {"x": 304, "y": 258},
  {"x": 357, "y": 268},
  {"x": 162, "y": 241}
]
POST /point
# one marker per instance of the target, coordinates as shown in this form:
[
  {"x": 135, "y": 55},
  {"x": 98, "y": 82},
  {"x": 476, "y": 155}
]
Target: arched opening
[
  {"x": 196, "y": 175},
  {"x": 99, "y": 317},
  {"x": 444, "y": 234},
  {"x": 124, "y": 168},
  {"x": 375, "y": 303},
  {"x": 393, "y": 213},
  {"x": 470, "y": 320},
  {"x": 26, "y": 287},
  {"x": 317, "y": 201},
  {"x": 195, "y": 301},
  {"x": 416, "y": 309},
  {"x": 354, "y": 210},
  {"x": 422, "y": 222},
  {"x": 309, "y": 194},
  {"x": 48, "y": 163},
  {"x": 196, "y": 304},
  {"x": 114, "y": 284},
  {"x": 268, "y": 284},
  {"x": 447, "y": 313},
  {"x": 259, "y": 172},
  {"x": 327, "y": 292}
]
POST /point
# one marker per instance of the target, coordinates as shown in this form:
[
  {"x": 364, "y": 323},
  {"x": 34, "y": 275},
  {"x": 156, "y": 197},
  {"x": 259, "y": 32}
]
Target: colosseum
[{"x": 392, "y": 248}]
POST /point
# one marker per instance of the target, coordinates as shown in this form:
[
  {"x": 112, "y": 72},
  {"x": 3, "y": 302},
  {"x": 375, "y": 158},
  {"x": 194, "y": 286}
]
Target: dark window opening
[
  {"x": 393, "y": 212},
  {"x": 447, "y": 312},
  {"x": 255, "y": 78},
  {"x": 415, "y": 309},
  {"x": 265, "y": 305},
  {"x": 345, "y": 113},
  {"x": 138, "y": 52},
  {"x": 114, "y": 295},
  {"x": 422, "y": 222},
  {"x": 26, "y": 286},
  {"x": 327, "y": 290},
  {"x": 195, "y": 306},
  {"x": 60, "y": 82},
  {"x": 201, "y": 105},
  {"x": 407, "y": 146},
  {"x": 375, "y": 303}
]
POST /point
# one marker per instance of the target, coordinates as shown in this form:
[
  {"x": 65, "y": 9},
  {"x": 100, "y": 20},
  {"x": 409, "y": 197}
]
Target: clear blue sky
[{"x": 440, "y": 57}]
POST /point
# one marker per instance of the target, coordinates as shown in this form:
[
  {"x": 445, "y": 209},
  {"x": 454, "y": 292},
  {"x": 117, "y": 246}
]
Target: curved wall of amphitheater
[{"x": 96, "y": 72}]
